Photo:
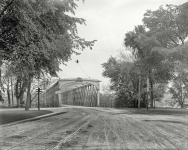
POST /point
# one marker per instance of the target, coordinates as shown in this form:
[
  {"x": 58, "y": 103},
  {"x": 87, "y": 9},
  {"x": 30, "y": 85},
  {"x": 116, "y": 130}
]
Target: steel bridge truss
[
  {"x": 82, "y": 96},
  {"x": 82, "y": 92}
]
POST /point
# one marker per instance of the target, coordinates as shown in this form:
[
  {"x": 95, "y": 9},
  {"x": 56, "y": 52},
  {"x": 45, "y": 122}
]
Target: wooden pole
[
  {"x": 147, "y": 91},
  {"x": 139, "y": 82},
  {"x": 38, "y": 94},
  {"x": 38, "y": 98}
]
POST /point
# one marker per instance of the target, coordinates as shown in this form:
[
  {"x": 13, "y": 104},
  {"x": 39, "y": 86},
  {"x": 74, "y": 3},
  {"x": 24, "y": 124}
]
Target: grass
[
  {"x": 17, "y": 115},
  {"x": 161, "y": 111},
  {"x": 8, "y": 107}
]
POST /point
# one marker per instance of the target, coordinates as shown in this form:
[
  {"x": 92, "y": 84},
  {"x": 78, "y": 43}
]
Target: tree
[
  {"x": 165, "y": 28},
  {"x": 107, "y": 97},
  {"x": 7, "y": 83},
  {"x": 122, "y": 78},
  {"x": 179, "y": 87},
  {"x": 159, "y": 90},
  {"x": 142, "y": 43},
  {"x": 169, "y": 24},
  {"x": 40, "y": 35},
  {"x": 20, "y": 88},
  {"x": 1, "y": 97}
]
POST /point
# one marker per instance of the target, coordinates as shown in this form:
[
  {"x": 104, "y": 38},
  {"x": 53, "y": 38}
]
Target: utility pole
[
  {"x": 38, "y": 93},
  {"x": 147, "y": 91},
  {"x": 139, "y": 84},
  {"x": 38, "y": 98}
]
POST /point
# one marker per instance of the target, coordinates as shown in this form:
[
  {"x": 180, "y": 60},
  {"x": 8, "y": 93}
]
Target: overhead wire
[
  {"x": 89, "y": 61},
  {"x": 98, "y": 50},
  {"x": 101, "y": 51},
  {"x": 83, "y": 70}
]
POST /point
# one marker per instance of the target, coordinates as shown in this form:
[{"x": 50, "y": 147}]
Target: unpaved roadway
[{"x": 98, "y": 129}]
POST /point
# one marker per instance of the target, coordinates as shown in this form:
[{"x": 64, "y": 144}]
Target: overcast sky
[{"x": 107, "y": 21}]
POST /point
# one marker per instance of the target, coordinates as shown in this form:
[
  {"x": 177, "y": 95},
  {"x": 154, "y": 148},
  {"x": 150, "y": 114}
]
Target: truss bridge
[{"x": 73, "y": 91}]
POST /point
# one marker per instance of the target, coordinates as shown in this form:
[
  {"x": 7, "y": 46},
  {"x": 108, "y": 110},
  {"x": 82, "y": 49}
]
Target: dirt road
[{"x": 98, "y": 129}]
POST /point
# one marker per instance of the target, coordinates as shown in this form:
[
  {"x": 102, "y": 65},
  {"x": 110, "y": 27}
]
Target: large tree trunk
[
  {"x": 22, "y": 98},
  {"x": 0, "y": 73},
  {"x": 27, "y": 106},
  {"x": 144, "y": 99},
  {"x": 18, "y": 101},
  {"x": 20, "y": 89},
  {"x": 151, "y": 88},
  {"x": 12, "y": 91},
  {"x": 153, "y": 103},
  {"x": 182, "y": 101},
  {"x": 8, "y": 95},
  {"x": 8, "y": 92},
  {"x": 182, "y": 106},
  {"x": 16, "y": 93}
]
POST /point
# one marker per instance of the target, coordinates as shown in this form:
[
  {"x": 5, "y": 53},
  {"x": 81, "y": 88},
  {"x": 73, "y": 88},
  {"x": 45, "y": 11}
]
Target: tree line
[
  {"x": 158, "y": 59},
  {"x": 36, "y": 36}
]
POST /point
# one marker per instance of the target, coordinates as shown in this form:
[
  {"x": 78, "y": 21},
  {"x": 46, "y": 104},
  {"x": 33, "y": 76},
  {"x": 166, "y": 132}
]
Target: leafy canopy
[{"x": 39, "y": 34}]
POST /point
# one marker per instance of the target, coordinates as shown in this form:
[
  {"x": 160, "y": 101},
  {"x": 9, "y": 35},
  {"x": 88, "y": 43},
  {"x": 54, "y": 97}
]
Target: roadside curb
[{"x": 33, "y": 119}]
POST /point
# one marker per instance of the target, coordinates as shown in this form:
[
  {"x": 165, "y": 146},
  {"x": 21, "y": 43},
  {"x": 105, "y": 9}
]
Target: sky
[{"x": 107, "y": 21}]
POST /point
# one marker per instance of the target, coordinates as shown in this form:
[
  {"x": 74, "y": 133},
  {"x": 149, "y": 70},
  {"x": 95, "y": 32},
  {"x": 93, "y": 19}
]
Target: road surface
[{"x": 98, "y": 129}]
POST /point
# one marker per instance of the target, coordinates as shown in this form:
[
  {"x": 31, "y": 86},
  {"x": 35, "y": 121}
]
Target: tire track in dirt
[
  {"x": 93, "y": 137},
  {"x": 161, "y": 138},
  {"x": 47, "y": 132},
  {"x": 110, "y": 131},
  {"x": 89, "y": 134},
  {"x": 133, "y": 139},
  {"x": 29, "y": 140},
  {"x": 179, "y": 133},
  {"x": 132, "y": 132},
  {"x": 25, "y": 130},
  {"x": 116, "y": 141},
  {"x": 70, "y": 136},
  {"x": 22, "y": 128},
  {"x": 105, "y": 132},
  {"x": 151, "y": 137},
  {"x": 62, "y": 133},
  {"x": 151, "y": 132},
  {"x": 178, "y": 139},
  {"x": 40, "y": 124},
  {"x": 98, "y": 136}
]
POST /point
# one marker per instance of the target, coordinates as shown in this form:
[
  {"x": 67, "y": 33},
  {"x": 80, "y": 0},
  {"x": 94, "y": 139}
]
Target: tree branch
[
  {"x": 173, "y": 40},
  {"x": 5, "y": 8},
  {"x": 179, "y": 33}
]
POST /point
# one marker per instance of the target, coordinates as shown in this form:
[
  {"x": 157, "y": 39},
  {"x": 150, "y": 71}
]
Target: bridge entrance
[{"x": 79, "y": 91}]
